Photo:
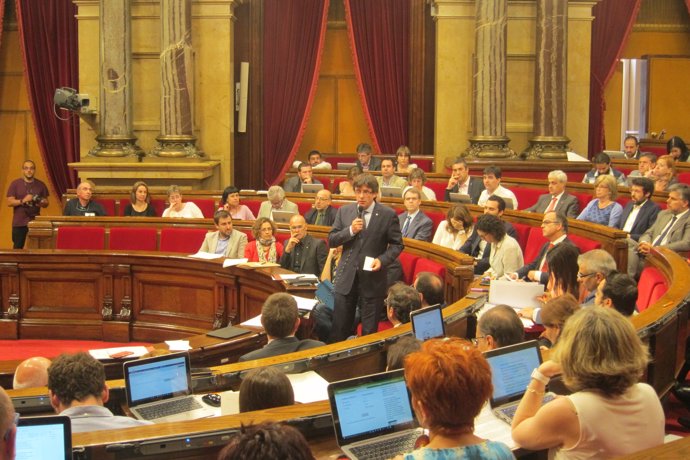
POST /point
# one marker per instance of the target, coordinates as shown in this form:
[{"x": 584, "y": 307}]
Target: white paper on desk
[
  {"x": 488, "y": 426},
  {"x": 255, "y": 322},
  {"x": 178, "y": 345},
  {"x": 205, "y": 255},
  {"x": 368, "y": 263},
  {"x": 104, "y": 353},
  {"x": 229, "y": 402},
  {"x": 305, "y": 304},
  {"x": 515, "y": 294},
  {"x": 309, "y": 387},
  {"x": 232, "y": 262},
  {"x": 295, "y": 276}
]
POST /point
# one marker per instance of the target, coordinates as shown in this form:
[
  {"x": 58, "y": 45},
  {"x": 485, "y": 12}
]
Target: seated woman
[
  {"x": 554, "y": 315},
  {"x": 454, "y": 231},
  {"x": 180, "y": 209},
  {"x": 267, "y": 440},
  {"x": 402, "y": 160},
  {"x": 345, "y": 187},
  {"x": 677, "y": 149},
  {"x": 506, "y": 254},
  {"x": 230, "y": 201},
  {"x": 265, "y": 248},
  {"x": 603, "y": 209},
  {"x": 264, "y": 388},
  {"x": 417, "y": 179},
  {"x": 450, "y": 381},
  {"x": 664, "y": 173},
  {"x": 601, "y": 359},
  {"x": 140, "y": 202}
]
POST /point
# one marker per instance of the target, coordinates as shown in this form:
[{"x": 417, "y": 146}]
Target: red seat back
[
  {"x": 326, "y": 181},
  {"x": 253, "y": 205},
  {"x": 408, "y": 262},
  {"x": 584, "y": 244},
  {"x": 184, "y": 240},
  {"x": 80, "y": 238},
  {"x": 436, "y": 217},
  {"x": 108, "y": 205},
  {"x": 207, "y": 206},
  {"x": 650, "y": 288},
  {"x": 133, "y": 239},
  {"x": 304, "y": 207},
  {"x": 684, "y": 177},
  {"x": 583, "y": 199},
  {"x": 535, "y": 240},
  {"x": 527, "y": 196},
  {"x": 439, "y": 188},
  {"x": 426, "y": 265},
  {"x": 523, "y": 233}
]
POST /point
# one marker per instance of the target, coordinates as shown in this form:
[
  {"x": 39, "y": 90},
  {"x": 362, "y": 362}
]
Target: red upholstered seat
[
  {"x": 253, "y": 205},
  {"x": 304, "y": 206},
  {"x": 133, "y": 239},
  {"x": 684, "y": 177},
  {"x": 583, "y": 199},
  {"x": 408, "y": 262},
  {"x": 80, "y": 238},
  {"x": 439, "y": 189},
  {"x": 535, "y": 240},
  {"x": 523, "y": 233},
  {"x": 184, "y": 240},
  {"x": 383, "y": 325},
  {"x": 436, "y": 217},
  {"x": 282, "y": 237},
  {"x": 426, "y": 165},
  {"x": 326, "y": 181},
  {"x": 584, "y": 244},
  {"x": 527, "y": 196},
  {"x": 108, "y": 205},
  {"x": 336, "y": 184},
  {"x": 123, "y": 204},
  {"x": 248, "y": 232},
  {"x": 208, "y": 207},
  {"x": 426, "y": 265},
  {"x": 651, "y": 287}
]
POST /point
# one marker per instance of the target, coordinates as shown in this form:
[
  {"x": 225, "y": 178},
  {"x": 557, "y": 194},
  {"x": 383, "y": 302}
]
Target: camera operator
[{"x": 27, "y": 196}]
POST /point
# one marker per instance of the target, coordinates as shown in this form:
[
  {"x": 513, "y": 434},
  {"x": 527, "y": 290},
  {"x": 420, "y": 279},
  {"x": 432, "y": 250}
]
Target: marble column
[
  {"x": 548, "y": 140},
  {"x": 115, "y": 138},
  {"x": 176, "y": 138},
  {"x": 489, "y": 138}
]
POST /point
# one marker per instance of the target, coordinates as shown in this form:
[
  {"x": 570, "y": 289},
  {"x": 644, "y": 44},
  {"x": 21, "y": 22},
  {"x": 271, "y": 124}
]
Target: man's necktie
[
  {"x": 319, "y": 218},
  {"x": 545, "y": 265},
  {"x": 406, "y": 226},
  {"x": 552, "y": 205},
  {"x": 661, "y": 237}
]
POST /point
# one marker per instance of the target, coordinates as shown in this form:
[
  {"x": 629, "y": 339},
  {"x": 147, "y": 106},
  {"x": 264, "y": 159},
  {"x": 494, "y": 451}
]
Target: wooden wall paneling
[
  {"x": 422, "y": 72},
  {"x": 9, "y": 302},
  {"x": 667, "y": 95}
]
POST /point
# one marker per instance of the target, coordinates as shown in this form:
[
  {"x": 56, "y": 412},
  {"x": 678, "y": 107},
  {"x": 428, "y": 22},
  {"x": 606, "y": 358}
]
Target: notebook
[
  {"x": 511, "y": 370},
  {"x": 311, "y": 188},
  {"x": 47, "y": 438},
  {"x": 282, "y": 217},
  {"x": 391, "y": 192},
  {"x": 427, "y": 323},
  {"x": 372, "y": 416},
  {"x": 159, "y": 389}
]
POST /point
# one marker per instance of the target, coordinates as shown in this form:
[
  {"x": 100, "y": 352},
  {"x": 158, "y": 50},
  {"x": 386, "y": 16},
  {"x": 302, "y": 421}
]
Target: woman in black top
[{"x": 140, "y": 202}]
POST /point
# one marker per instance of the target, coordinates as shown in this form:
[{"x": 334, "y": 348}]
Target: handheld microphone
[{"x": 360, "y": 212}]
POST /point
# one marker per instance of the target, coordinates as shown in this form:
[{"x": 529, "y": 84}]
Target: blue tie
[{"x": 406, "y": 226}]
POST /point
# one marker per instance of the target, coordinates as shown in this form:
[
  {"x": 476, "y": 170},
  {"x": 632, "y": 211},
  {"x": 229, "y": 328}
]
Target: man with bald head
[
  {"x": 322, "y": 213},
  {"x": 83, "y": 205},
  {"x": 303, "y": 253},
  {"x": 31, "y": 373},
  {"x": 8, "y": 427},
  {"x": 499, "y": 327}
]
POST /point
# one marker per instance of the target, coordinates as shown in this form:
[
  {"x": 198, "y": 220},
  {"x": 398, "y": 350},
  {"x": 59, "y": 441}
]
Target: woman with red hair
[{"x": 450, "y": 381}]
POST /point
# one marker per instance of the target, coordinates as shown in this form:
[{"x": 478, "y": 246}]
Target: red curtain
[
  {"x": 613, "y": 21},
  {"x": 294, "y": 34},
  {"x": 2, "y": 17},
  {"x": 48, "y": 34},
  {"x": 687, "y": 3},
  {"x": 379, "y": 35}
]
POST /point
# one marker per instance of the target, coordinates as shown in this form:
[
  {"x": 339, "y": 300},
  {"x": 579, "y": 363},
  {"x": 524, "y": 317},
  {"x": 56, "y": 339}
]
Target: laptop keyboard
[
  {"x": 167, "y": 408},
  {"x": 385, "y": 448},
  {"x": 509, "y": 411}
]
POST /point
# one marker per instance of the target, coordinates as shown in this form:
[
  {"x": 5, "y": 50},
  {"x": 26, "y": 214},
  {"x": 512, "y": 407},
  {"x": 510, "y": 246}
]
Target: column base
[
  {"x": 547, "y": 148},
  {"x": 113, "y": 147},
  {"x": 175, "y": 147},
  {"x": 489, "y": 147}
]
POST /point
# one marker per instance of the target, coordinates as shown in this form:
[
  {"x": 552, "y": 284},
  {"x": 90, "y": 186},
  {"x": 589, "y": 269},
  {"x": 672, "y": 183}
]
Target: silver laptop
[
  {"x": 311, "y": 188},
  {"x": 282, "y": 217},
  {"x": 373, "y": 417},
  {"x": 615, "y": 154},
  {"x": 346, "y": 165},
  {"x": 460, "y": 198},
  {"x": 511, "y": 371},
  {"x": 427, "y": 323},
  {"x": 47, "y": 438},
  {"x": 391, "y": 192},
  {"x": 159, "y": 389}
]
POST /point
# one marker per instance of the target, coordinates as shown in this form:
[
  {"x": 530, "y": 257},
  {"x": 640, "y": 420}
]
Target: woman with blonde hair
[
  {"x": 454, "y": 231},
  {"x": 601, "y": 359},
  {"x": 664, "y": 173},
  {"x": 140, "y": 202},
  {"x": 603, "y": 209},
  {"x": 265, "y": 248}
]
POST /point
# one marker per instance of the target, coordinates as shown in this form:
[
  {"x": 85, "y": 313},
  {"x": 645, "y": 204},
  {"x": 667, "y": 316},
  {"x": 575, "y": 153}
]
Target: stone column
[
  {"x": 550, "y": 88},
  {"x": 115, "y": 138},
  {"x": 176, "y": 138},
  {"x": 489, "y": 138}
]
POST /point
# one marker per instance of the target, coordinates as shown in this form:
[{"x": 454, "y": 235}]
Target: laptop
[
  {"x": 282, "y": 217},
  {"x": 346, "y": 165},
  {"x": 372, "y": 416},
  {"x": 460, "y": 198},
  {"x": 511, "y": 370},
  {"x": 47, "y": 438},
  {"x": 615, "y": 154},
  {"x": 391, "y": 192},
  {"x": 159, "y": 389},
  {"x": 311, "y": 188},
  {"x": 427, "y": 323}
]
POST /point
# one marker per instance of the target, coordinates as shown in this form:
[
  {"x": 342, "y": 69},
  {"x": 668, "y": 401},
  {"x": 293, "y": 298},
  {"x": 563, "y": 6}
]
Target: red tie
[
  {"x": 545, "y": 265},
  {"x": 552, "y": 205}
]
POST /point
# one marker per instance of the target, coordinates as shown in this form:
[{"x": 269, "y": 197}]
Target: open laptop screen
[
  {"x": 153, "y": 379},
  {"x": 370, "y": 406},
  {"x": 45, "y": 438},
  {"x": 511, "y": 370},
  {"x": 427, "y": 323}
]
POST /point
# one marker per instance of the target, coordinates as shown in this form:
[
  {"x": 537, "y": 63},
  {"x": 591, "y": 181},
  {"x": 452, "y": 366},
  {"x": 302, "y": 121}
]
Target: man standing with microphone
[{"x": 370, "y": 235}]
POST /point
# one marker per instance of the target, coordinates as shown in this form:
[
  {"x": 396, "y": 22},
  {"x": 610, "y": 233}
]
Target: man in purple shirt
[{"x": 27, "y": 195}]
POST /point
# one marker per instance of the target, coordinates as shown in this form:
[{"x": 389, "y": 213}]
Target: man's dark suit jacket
[
  {"x": 645, "y": 218},
  {"x": 474, "y": 189},
  {"x": 567, "y": 205},
  {"x": 328, "y": 218},
  {"x": 380, "y": 239},
  {"x": 314, "y": 253},
  {"x": 374, "y": 164},
  {"x": 421, "y": 227},
  {"x": 471, "y": 247},
  {"x": 534, "y": 265},
  {"x": 280, "y": 347},
  {"x": 293, "y": 184}
]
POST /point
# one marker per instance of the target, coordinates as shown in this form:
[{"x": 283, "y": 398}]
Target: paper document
[
  {"x": 205, "y": 255},
  {"x": 488, "y": 426},
  {"x": 107, "y": 353},
  {"x": 254, "y": 322},
  {"x": 368, "y": 262},
  {"x": 515, "y": 294},
  {"x": 305, "y": 304},
  {"x": 309, "y": 387},
  {"x": 178, "y": 345},
  {"x": 231, "y": 262},
  {"x": 295, "y": 276}
]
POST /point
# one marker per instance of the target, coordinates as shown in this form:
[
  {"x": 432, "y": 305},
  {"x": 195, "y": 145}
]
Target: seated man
[
  {"x": 364, "y": 159},
  {"x": 303, "y": 253},
  {"x": 645, "y": 166},
  {"x": 492, "y": 185},
  {"x": 388, "y": 177},
  {"x": 82, "y": 204},
  {"x": 602, "y": 165},
  {"x": 460, "y": 181},
  {"x": 316, "y": 161},
  {"x": 631, "y": 148},
  {"x": 8, "y": 427},
  {"x": 499, "y": 327},
  {"x": 414, "y": 223},
  {"x": 401, "y": 301},
  {"x": 395, "y": 356},
  {"x": 276, "y": 202},
  {"x": 31, "y": 373},
  {"x": 618, "y": 291},
  {"x": 496, "y": 206},
  {"x": 554, "y": 227},
  {"x": 670, "y": 230},
  {"x": 322, "y": 213},
  {"x": 557, "y": 199},
  {"x": 593, "y": 266},
  {"x": 77, "y": 389},
  {"x": 225, "y": 241},
  {"x": 639, "y": 213},
  {"x": 304, "y": 176},
  {"x": 430, "y": 288},
  {"x": 280, "y": 319}
]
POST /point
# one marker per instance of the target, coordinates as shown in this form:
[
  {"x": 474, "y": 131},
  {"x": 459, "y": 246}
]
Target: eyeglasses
[
  {"x": 581, "y": 276},
  {"x": 547, "y": 222},
  {"x": 318, "y": 198},
  {"x": 475, "y": 341},
  {"x": 9, "y": 430}
]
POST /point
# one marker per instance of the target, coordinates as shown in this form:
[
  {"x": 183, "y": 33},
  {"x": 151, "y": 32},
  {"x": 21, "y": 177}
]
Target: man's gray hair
[
  {"x": 597, "y": 261},
  {"x": 276, "y": 192},
  {"x": 682, "y": 189},
  {"x": 558, "y": 175}
]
